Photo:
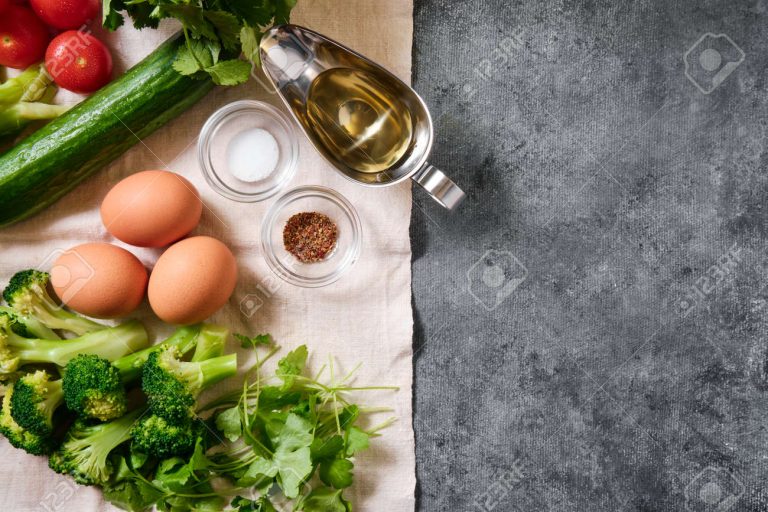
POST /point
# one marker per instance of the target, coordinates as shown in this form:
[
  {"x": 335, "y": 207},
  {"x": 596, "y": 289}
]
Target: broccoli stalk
[
  {"x": 14, "y": 118},
  {"x": 18, "y": 436},
  {"x": 111, "y": 343},
  {"x": 27, "y": 293},
  {"x": 183, "y": 339},
  {"x": 84, "y": 454},
  {"x": 95, "y": 388},
  {"x": 35, "y": 398},
  {"x": 172, "y": 386}
]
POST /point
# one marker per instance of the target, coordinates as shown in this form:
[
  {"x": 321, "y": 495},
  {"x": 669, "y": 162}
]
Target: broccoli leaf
[{"x": 336, "y": 473}]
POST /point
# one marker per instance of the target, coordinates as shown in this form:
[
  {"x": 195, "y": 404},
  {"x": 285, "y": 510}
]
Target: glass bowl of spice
[
  {"x": 248, "y": 150},
  {"x": 311, "y": 236}
]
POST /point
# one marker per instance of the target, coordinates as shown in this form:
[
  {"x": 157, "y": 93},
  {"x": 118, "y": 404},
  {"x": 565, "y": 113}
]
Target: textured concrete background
[{"x": 609, "y": 353}]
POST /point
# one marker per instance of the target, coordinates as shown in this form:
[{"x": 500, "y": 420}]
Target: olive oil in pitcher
[{"x": 359, "y": 118}]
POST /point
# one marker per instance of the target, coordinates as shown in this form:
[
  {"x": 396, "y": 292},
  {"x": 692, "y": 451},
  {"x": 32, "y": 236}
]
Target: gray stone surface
[{"x": 621, "y": 362}]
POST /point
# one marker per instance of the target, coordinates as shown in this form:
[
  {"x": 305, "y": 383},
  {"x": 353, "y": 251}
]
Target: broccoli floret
[
  {"x": 84, "y": 454},
  {"x": 27, "y": 293},
  {"x": 111, "y": 343},
  {"x": 35, "y": 398},
  {"x": 17, "y": 435},
  {"x": 157, "y": 436},
  {"x": 93, "y": 388},
  {"x": 28, "y": 326},
  {"x": 172, "y": 385}
]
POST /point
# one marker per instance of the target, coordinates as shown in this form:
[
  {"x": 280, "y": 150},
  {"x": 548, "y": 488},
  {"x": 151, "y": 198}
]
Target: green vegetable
[
  {"x": 253, "y": 342},
  {"x": 216, "y": 33},
  {"x": 94, "y": 386},
  {"x": 28, "y": 326},
  {"x": 84, "y": 454},
  {"x": 25, "y": 98},
  {"x": 18, "y": 436},
  {"x": 56, "y": 158},
  {"x": 172, "y": 385},
  {"x": 157, "y": 436},
  {"x": 27, "y": 293},
  {"x": 111, "y": 343},
  {"x": 35, "y": 398}
]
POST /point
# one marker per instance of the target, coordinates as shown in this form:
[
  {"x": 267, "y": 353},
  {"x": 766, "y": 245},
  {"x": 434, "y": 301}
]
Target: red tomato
[
  {"x": 4, "y": 4},
  {"x": 66, "y": 14},
  {"x": 22, "y": 37},
  {"x": 78, "y": 62}
]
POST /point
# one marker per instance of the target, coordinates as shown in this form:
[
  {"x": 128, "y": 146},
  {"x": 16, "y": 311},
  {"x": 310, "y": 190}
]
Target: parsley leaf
[
  {"x": 324, "y": 499},
  {"x": 336, "y": 473},
  {"x": 259, "y": 339},
  {"x": 228, "y": 422},
  {"x": 291, "y": 462},
  {"x": 233, "y": 26},
  {"x": 292, "y": 365},
  {"x": 230, "y": 72}
]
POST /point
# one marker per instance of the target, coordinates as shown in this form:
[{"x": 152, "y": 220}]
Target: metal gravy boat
[{"x": 293, "y": 57}]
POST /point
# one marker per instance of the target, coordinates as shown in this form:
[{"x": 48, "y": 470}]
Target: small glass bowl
[
  {"x": 320, "y": 200},
  {"x": 225, "y": 124}
]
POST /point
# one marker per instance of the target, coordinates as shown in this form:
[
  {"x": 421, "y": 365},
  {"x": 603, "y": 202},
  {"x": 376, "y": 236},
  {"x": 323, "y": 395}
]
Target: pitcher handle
[{"x": 439, "y": 186}]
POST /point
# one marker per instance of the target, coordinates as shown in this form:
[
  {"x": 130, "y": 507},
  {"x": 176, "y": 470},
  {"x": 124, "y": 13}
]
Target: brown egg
[
  {"x": 192, "y": 280},
  {"x": 99, "y": 280},
  {"x": 151, "y": 209}
]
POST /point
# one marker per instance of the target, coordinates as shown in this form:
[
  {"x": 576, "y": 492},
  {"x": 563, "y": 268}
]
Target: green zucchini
[{"x": 53, "y": 160}]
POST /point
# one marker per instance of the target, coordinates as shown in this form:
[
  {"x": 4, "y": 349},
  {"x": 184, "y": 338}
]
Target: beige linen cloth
[{"x": 364, "y": 317}]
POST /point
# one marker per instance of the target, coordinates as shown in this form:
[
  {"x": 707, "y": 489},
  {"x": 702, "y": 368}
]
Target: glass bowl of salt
[{"x": 248, "y": 151}]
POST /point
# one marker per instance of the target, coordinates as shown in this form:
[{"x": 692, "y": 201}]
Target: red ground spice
[{"x": 310, "y": 236}]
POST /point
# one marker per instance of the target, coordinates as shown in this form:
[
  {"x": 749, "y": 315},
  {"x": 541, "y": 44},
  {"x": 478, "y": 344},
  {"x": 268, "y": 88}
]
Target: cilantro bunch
[
  {"x": 284, "y": 442},
  {"x": 217, "y": 32}
]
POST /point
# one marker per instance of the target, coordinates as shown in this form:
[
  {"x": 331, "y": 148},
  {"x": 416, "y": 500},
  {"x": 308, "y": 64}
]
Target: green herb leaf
[
  {"x": 227, "y": 27},
  {"x": 193, "y": 57},
  {"x": 259, "y": 339},
  {"x": 356, "y": 441},
  {"x": 250, "y": 39},
  {"x": 228, "y": 422},
  {"x": 230, "y": 72},
  {"x": 336, "y": 473},
  {"x": 291, "y": 462},
  {"x": 292, "y": 365},
  {"x": 326, "y": 449},
  {"x": 324, "y": 499},
  {"x": 111, "y": 18},
  {"x": 245, "y": 505}
]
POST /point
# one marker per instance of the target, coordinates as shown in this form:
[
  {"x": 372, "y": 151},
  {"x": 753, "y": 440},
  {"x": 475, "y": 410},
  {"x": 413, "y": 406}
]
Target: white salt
[{"x": 252, "y": 155}]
